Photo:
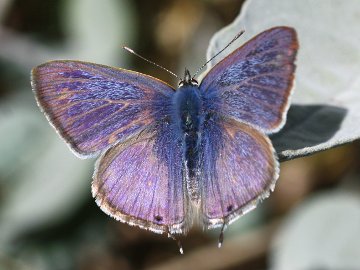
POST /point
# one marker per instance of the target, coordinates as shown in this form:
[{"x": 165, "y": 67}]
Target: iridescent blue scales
[{"x": 170, "y": 157}]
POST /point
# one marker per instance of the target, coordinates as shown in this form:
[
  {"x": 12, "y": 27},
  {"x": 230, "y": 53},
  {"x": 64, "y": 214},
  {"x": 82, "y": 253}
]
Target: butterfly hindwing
[
  {"x": 94, "y": 106},
  {"x": 253, "y": 84},
  {"x": 141, "y": 182},
  {"x": 239, "y": 168}
]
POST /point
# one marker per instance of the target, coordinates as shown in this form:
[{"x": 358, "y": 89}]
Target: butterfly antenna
[
  {"x": 151, "y": 62},
  {"x": 232, "y": 41}
]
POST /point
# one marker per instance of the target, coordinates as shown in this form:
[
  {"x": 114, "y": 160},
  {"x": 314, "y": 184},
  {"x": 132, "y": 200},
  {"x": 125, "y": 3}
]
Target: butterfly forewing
[
  {"x": 141, "y": 182},
  {"x": 253, "y": 84},
  {"x": 239, "y": 168},
  {"x": 94, "y": 106}
]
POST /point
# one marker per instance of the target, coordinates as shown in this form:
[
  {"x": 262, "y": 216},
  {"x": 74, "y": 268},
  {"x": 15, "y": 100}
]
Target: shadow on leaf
[{"x": 307, "y": 126}]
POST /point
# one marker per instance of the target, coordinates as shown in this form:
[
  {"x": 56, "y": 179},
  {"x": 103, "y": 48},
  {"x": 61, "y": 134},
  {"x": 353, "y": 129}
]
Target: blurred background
[{"x": 48, "y": 219}]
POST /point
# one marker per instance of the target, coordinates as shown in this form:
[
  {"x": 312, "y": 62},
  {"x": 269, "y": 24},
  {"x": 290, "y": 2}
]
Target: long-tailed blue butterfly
[{"x": 169, "y": 157}]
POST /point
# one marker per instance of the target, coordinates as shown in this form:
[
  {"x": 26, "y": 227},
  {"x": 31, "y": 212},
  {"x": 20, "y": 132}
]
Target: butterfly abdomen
[{"x": 187, "y": 105}]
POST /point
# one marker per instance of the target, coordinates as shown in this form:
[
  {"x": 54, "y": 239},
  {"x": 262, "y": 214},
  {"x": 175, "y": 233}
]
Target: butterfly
[{"x": 169, "y": 158}]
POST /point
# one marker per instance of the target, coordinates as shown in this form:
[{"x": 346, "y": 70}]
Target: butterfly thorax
[{"x": 187, "y": 103}]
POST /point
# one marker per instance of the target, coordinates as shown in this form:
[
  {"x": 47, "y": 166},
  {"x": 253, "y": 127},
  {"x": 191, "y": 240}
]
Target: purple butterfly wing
[
  {"x": 140, "y": 182},
  {"x": 253, "y": 84},
  {"x": 239, "y": 168},
  {"x": 94, "y": 106}
]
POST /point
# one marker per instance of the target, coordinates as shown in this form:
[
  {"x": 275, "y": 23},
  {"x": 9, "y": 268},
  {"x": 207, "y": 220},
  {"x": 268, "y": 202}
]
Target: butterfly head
[{"x": 188, "y": 80}]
